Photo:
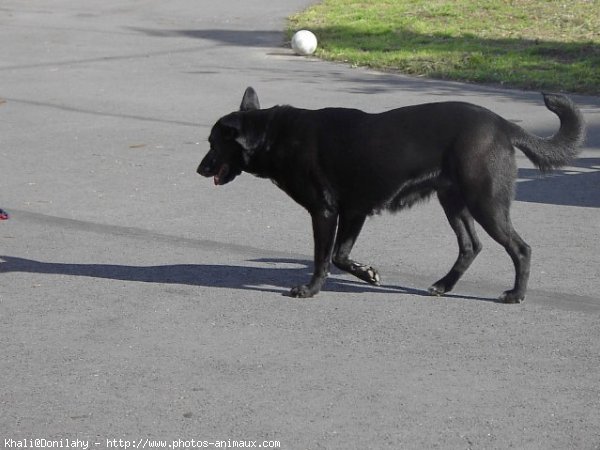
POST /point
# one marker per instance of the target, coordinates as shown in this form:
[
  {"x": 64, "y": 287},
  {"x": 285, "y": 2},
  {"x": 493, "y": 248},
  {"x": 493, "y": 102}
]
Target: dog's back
[{"x": 369, "y": 159}]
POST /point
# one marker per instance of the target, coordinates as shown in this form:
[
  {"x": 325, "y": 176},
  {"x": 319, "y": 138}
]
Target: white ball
[{"x": 304, "y": 42}]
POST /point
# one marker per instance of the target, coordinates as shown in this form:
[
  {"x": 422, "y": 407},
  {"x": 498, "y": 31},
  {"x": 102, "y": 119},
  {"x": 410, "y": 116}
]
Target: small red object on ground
[{"x": 3, "y": 215}]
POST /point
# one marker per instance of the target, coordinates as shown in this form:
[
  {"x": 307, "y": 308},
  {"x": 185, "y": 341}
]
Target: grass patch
[{"x": 530, "y": 44}]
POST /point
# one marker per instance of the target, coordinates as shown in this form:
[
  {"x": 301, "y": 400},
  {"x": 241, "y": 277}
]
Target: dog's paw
[
  {"x": 373, "y": 277},
  {"x": 512, "y": 297},
  {"x": 437, "y": 290},
  {"x": 303, "y": 291},
  {"x": 440, "y": 287},
  {"x": 366, "y": 273}
]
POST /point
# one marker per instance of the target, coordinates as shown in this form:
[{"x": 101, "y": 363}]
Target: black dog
[{"x": 344, "y": 164}]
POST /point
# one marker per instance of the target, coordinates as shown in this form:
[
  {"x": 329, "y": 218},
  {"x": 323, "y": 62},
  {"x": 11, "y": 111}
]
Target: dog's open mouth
[{"x": 221, "y": 176}]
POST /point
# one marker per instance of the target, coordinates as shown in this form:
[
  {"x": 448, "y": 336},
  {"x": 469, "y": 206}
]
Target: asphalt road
[{"x": 138, "y": 301}]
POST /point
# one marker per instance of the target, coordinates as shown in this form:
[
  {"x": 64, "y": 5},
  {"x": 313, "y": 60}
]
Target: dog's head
[{"x": 232, "y": 142}]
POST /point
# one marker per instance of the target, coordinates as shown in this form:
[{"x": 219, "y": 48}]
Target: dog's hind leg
[
  {"x": 348, "y": 230},
  {"x": 495, "y": 220},
  {"x": 489, "y": 204},
  {"x": 469, "y": 246},
  {"x": 324, "y": 226},
  {"x": 486, "y": 172}
]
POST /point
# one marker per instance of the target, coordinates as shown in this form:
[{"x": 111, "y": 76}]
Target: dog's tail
[{"x": 555, "y": 151}]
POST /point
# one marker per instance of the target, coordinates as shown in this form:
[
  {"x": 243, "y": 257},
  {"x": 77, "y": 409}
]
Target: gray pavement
[{"x": 138, "y": 301}]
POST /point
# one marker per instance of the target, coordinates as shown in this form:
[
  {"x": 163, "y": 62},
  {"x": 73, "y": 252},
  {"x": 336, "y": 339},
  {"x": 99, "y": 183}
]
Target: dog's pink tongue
[{"x": 219, "y": 176}]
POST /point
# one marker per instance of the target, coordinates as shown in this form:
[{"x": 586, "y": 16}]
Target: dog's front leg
[{"x": 324, "y": 225}]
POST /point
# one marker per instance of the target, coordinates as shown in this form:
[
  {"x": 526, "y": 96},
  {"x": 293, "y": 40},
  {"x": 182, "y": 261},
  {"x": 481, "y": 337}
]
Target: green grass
[{"x": 530, "y": 44}]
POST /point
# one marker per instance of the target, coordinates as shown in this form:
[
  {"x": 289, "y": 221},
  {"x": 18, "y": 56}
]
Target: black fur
[{"x": 344, "y": 164}]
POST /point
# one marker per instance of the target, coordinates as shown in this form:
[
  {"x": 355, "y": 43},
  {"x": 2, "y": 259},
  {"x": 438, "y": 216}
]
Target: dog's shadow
[
  {"x": 264, "y": 274},
  {"x": 269, "y": 275}
]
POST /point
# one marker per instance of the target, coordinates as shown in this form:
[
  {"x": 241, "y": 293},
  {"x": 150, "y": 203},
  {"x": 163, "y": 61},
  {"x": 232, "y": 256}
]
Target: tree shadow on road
[
  {"x": 570, "y": 187},
  {"x": 272, "y": 275},
  {"x": 242, "y": 38}
]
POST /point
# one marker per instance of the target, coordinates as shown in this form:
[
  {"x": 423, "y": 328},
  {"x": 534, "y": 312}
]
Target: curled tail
[{"x": 555, "y": 151}]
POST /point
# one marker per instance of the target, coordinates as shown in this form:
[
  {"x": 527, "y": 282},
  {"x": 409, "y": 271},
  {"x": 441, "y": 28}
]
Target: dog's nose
[{"x": 204, "y": 170}]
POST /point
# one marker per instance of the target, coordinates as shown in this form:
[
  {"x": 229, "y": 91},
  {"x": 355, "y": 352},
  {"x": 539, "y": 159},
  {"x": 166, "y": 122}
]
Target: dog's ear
[{"x": 249, "y": 100}]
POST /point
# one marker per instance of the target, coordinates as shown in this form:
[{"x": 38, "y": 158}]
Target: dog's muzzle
[{"x": 220, "y": 176}]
